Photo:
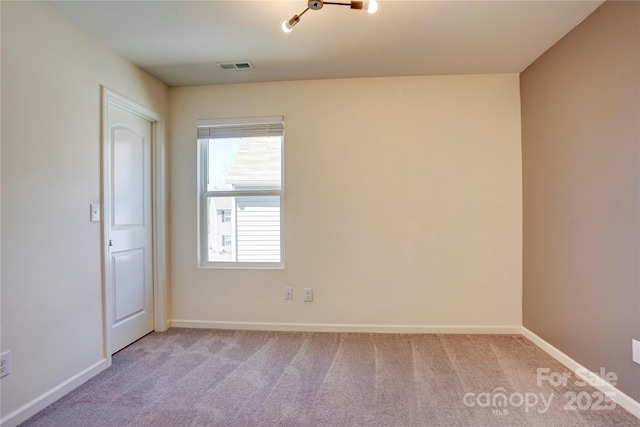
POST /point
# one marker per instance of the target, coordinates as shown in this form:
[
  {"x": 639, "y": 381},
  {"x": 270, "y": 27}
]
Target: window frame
[{"x": 204, "y": 194}]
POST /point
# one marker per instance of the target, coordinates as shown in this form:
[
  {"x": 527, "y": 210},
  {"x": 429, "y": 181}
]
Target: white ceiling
[{"x": 180, "y": 42}]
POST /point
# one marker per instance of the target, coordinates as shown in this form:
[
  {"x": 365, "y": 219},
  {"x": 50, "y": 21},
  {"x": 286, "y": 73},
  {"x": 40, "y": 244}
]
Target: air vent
[{"x": 240, "y": 65}]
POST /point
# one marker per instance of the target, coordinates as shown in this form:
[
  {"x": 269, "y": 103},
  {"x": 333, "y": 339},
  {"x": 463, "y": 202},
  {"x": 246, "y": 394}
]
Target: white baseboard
[
  {"x": 39, "y": 403},
  {"x": 614, "y": 394},
  {"x": 329, "y": 327}
]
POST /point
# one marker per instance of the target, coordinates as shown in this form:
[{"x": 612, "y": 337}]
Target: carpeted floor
[{"x": 195, "y": 377}]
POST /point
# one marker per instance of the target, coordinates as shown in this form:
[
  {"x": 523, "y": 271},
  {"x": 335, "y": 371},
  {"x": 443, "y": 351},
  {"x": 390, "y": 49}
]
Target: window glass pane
[
  {"x": 252, "y": 235},
  {"x": 219, "y": 225},
  {"x": 248, "y": 163},
  {"x": 257, "y": 234}
]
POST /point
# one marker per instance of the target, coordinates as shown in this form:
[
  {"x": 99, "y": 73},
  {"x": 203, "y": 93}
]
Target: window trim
[{"x": 203, "y": 195}]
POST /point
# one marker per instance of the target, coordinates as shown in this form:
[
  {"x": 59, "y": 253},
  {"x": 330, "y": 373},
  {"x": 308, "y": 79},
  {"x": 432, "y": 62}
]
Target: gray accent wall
[{"x": 581, "y": 193}]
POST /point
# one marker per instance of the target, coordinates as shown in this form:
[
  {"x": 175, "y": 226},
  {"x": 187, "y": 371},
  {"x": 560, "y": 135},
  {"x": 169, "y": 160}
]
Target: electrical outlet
[
  {"x": 288, "y": 293},
  {"x": 5, "y": 364},
  {"x": 635, "y": 345},
  {"x": 308, "y": 294}
]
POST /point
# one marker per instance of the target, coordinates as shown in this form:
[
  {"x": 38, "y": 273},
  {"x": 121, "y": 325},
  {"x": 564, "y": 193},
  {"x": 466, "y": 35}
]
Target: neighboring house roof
[{"x": 257, "y": 163}]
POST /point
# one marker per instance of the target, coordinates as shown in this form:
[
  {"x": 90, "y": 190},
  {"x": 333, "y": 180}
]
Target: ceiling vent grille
[{"x": 239, "y": 65}]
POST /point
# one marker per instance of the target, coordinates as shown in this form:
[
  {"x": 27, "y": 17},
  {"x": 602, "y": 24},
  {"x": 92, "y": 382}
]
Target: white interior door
[{"x": 129, "y": 230}]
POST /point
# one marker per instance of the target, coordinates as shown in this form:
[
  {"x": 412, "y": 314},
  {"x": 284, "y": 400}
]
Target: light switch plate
[{"x": 95, "y": 212}]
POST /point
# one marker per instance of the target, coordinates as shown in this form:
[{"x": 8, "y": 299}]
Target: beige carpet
[{"x": 189, "y": 377}]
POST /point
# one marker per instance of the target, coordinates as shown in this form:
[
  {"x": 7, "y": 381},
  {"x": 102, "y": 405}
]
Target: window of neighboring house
[{"x": 240, "y": 177}]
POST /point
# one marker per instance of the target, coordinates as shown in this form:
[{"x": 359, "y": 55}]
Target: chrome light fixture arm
[{"x": 370, "y": 5}]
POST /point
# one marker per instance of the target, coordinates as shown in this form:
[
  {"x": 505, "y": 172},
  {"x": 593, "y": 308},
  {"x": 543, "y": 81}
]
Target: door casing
[{"x": 159, "y": 215}]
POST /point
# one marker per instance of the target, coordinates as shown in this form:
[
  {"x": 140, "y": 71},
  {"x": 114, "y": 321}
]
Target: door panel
[
  {"x": 130, "y": 227},
  {"x": 128, "y": 177},
  {"x": 128, "y": 277}
]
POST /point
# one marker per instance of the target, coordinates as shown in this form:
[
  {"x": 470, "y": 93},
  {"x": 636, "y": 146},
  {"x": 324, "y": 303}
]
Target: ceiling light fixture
[{"x": 370, "y": 6}]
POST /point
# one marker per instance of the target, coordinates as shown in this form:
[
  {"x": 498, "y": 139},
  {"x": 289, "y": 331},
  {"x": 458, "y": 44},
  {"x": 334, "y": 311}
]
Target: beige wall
[
  {"x": 51, "y": 274},
  {"x": 581, "y": 136},
  {"x": 403, "y": 205}
]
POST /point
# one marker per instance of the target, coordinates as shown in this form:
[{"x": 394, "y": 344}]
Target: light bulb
[
  {"x": 372, "y": 6},
  {"x": 287, "y": 25}
]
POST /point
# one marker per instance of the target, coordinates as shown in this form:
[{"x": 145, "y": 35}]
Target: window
[
  {"x": 240, "y": 192},
  {"x": 225, "y": 215}
]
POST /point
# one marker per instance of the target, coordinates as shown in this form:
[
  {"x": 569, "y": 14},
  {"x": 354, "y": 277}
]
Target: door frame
[{"x": 158, "y": 213}]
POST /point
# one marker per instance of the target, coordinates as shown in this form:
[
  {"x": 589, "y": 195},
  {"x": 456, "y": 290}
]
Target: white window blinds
[{"x": 240, "y": 128}]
